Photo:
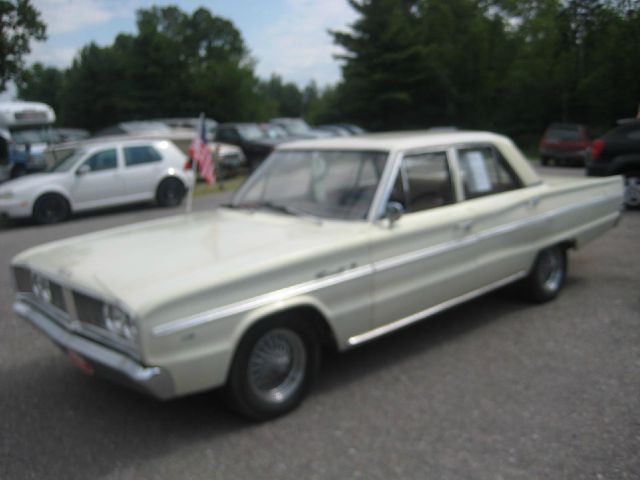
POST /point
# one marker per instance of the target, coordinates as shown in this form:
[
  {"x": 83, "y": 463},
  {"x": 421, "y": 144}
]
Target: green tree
[
  {"x": 40, "y": 83},
  {"x": 19, "y": 24}
]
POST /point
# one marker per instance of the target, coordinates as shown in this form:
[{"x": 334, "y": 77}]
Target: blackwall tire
[
  {"x": 273, "y": 369},
  {"x": 50, "y": 208},
  {"x": 632, "y": 190},
  {"x": 547, "y": 276},
  {"x": 170, "y": 192}
]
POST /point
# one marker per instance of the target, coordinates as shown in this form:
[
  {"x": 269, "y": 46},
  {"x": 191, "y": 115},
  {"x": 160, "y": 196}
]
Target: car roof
[{"x": 392, "y": 141}]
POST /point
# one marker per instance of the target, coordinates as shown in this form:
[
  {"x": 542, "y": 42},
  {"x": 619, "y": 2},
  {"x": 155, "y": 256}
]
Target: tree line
[{"x": 506, "y": 65}]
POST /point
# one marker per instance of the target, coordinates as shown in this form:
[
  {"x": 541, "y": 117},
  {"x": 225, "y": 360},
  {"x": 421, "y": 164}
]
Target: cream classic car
[{"x": 331, "y": 242}]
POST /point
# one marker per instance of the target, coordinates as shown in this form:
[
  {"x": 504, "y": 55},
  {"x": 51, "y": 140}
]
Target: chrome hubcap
[
  {"x": 550, "y": 270},
  {"x": 632, "y": 192},
  {"x": 277, "y": 365}
]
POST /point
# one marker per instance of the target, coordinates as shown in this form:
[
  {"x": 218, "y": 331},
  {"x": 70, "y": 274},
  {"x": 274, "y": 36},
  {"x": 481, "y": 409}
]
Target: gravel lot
[{"x": 494, "y": 389}]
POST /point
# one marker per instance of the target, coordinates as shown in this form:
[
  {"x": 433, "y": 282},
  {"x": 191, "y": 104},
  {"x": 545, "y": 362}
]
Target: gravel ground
[{"x": 493, "y": 389}]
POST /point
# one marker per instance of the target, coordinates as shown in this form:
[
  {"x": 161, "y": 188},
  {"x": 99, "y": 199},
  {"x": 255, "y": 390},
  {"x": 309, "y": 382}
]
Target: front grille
[
  {"x": 22, "y": 277},
  {"x": 89, "y": 309},
  {"x": 57, "y": 298}
]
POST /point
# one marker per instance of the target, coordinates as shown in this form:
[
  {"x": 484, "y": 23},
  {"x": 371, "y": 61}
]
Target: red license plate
[{"x": 80, "y": 362}]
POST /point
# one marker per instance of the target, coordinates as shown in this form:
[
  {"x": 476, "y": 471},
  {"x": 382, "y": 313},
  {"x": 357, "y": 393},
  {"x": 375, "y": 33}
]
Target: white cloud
[
  {"x": 60, "y": 57},
  {"x": 299, "y": 47},
  {"x": 64, "y": 16}
]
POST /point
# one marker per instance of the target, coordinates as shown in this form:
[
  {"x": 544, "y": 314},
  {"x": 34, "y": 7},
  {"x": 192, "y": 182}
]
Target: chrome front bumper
[{"x": 104, "y": 361}]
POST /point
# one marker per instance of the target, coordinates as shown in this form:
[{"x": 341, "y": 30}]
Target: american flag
[{"x": 200, "y": 153}]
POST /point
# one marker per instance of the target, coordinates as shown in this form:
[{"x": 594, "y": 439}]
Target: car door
[
  {"x": 426, "y": 257},
  {"x": 142, "y": 168},
  {"x": 507, "y": 220},
  {"x": 98, "y": 180}
]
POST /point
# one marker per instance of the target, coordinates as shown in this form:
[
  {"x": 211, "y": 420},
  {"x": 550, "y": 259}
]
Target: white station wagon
[
  {"x": 98, "y": 175},
  {"x": 330, "y": 242}
]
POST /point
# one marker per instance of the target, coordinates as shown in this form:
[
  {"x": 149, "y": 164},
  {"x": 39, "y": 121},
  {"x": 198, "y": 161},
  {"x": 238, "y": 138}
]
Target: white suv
[{"x": 100, "y": 175}]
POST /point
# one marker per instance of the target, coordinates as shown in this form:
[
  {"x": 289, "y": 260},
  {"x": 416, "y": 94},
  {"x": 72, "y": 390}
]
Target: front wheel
[
  {"x": 51, "y": 208},
  {"x": 632, "y": 190},
  {"x": 272, "y": 370},
  {"x": 547, "y": 275}
]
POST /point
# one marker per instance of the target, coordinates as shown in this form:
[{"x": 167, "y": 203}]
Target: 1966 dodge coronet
[{"x": 330, "y": 242}]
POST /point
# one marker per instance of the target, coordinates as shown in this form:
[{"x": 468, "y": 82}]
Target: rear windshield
[{"x": 564, "y": 132}]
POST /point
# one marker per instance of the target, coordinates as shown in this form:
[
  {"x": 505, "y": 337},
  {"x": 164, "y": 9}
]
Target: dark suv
[
  {"x": 565, "y": 144},
  {"x": 250, "y": 137},
  {"x": 618, "y": 153}
]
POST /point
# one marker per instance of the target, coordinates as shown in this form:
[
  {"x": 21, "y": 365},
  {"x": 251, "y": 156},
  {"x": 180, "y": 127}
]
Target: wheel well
[
  {"x": 62, "y": 195},
  {"x": 568, "y": 244},
  {"x": 169, "y": 178},
  {"x": 310, "y": 314}
]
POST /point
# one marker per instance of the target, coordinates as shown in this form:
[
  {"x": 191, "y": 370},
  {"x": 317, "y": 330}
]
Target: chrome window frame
[
  {"x": 497, "y": 155},
  {"x": 396, "y": 167}
]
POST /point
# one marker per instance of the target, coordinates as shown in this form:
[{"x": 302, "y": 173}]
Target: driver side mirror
[
  {"x": 83, "y": 169},
  {"x": 393, "y": 212}
]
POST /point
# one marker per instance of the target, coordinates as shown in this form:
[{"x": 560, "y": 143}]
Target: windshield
[
  {"x": 251, "y": 132},
  {"x": 326, "y": 184},
  {"x": 34, "y": 134},
  {"x": 66, "y": 163}
]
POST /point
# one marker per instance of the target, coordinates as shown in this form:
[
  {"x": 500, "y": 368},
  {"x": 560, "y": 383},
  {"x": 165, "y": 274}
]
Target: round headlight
[
  {"x": 41, "y": 287},
  {"x": 117, "y": 321}
]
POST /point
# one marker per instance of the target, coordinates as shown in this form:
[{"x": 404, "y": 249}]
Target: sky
[{"x": 287, "y": 37}]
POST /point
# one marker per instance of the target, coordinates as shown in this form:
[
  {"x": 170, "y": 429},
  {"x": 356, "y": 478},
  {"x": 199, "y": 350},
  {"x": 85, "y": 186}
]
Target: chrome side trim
[
  {"x": 361, "y": 271},
  {"x": 405, "y": 258},
  {"x": 403, "y": 322},
  {"x": 260, "y": 301}
]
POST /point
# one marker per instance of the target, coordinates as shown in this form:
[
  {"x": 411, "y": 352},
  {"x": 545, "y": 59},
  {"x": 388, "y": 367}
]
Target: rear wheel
[
  {"x": 170, "y": 192},
  {"x": 547, "y": 275},
  {"x": 51, "y": 208},
  {"x": 273, "y": 369},
  {"x": 632, "y": 189}
]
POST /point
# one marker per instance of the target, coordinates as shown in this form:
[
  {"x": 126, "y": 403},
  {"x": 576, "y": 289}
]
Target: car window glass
[
  {"x": 331, "y": 184},
  {"x": 227, "y": 135},
  {"x": 105, "y": 160},
  {"x": 484, "y": 172},
  {"x": 140, "y": 155},
  {"x": 634, "y": 134},
  {"x": 423, "y": 182}
]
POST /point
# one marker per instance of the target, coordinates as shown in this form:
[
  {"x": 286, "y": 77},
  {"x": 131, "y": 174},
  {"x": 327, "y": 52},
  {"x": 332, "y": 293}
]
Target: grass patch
[{"x": 230, "y": 185}]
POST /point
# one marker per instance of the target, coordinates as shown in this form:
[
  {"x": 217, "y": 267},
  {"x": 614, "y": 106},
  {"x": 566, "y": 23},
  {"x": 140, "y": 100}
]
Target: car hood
[
  {"x": 147, "y": 264},
  {"x": 33, "y": 181}
]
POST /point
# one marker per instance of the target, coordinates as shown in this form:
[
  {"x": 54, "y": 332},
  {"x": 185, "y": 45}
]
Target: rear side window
[
  {"x": 140, "y": 155},
  {"x": 484, "y": 172},
  {"x": 105, "y": 160}
]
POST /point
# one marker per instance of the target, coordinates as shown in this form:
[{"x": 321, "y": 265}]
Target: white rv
[{"x": 25, "y": 131}]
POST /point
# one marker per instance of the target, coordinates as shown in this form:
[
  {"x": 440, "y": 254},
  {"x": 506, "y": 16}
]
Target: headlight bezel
[
  {"x": 41, "y": 287},
  {"x": 119, "y": 323}
]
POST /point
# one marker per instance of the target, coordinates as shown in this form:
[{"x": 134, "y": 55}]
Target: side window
[
  {"x": 227, "y": 135},
  {"x": 634, "y": 134},
  {"x": 484, "y": 172},
  {"x": 140, "y": 155},
  {"x": 105, "y": 160},
  {"x": 423, "y": 182}
]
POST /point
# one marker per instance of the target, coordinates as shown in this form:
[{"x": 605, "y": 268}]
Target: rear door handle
[{"x": 534, "y": 201}]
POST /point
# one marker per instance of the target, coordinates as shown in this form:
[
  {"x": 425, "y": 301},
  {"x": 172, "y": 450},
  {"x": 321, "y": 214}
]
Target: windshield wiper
[{"x": 276, "y": 207}]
